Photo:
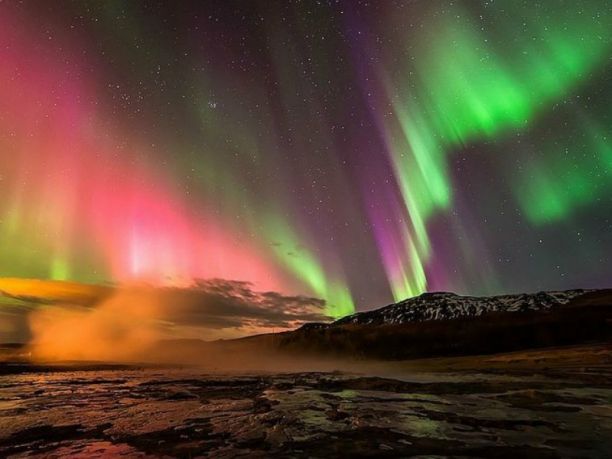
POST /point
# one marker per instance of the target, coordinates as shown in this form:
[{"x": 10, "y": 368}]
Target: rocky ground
[{"x": 503, "y": 411}]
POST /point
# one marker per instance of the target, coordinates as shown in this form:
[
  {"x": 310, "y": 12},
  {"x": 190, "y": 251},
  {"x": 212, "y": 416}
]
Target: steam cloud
[{"x": 121, "y": 324}]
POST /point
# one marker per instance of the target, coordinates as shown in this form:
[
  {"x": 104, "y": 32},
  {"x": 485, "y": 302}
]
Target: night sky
[{"x": 353, "y": 151}]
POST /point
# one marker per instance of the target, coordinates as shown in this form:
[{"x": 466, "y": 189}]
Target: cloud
[
  {"x": 219, "y": 303},
  {"x": 130, "y": 317}
]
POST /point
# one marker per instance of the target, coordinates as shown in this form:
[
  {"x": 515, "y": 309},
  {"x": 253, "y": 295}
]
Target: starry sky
[{"x": 355, "y": 151}]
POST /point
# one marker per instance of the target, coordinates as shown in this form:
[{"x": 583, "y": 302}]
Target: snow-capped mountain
[{"x": 446, "y": 306}]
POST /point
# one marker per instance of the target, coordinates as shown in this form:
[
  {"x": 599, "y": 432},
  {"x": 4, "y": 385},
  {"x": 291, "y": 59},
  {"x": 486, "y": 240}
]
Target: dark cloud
[{"x": 219, "y": 303}]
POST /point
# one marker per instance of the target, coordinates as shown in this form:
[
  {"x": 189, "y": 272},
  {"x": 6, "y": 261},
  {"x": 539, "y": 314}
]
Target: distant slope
[{"x": 439, "y": 324}]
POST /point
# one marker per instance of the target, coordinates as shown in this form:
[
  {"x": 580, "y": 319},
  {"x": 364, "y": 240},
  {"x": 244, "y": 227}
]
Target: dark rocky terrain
[{"x": 498, "y": 410}]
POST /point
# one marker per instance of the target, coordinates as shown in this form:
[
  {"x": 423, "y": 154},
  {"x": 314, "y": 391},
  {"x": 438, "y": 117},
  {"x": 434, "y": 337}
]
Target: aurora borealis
[{"x": 353, "y": 151}]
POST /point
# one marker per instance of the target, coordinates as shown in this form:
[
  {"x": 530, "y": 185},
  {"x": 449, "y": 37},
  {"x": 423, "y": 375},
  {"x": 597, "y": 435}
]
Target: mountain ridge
[
  {"x": 446, "y": 324},
  {"x": 448, "y": 306}
]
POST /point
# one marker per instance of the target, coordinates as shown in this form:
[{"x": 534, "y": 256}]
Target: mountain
[
  {"x": 444, "y": 324},
  {"x": 449, "y": 306}
]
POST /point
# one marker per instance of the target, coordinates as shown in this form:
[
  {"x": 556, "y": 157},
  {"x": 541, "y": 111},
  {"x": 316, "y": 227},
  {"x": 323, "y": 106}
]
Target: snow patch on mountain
[{"x": 447, "y": 306}]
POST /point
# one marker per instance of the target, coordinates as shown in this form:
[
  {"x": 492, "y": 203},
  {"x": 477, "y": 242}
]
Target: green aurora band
[{"x": 471, "y": 79}]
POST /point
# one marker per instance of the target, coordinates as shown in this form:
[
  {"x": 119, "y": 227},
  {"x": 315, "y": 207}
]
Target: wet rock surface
[{"x": 182, "y": 413}]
